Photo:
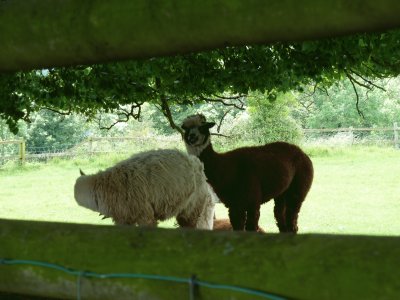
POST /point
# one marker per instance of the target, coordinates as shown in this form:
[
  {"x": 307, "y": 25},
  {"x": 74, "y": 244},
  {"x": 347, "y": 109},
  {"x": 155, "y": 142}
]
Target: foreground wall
[
  {"x": 302, "y": 266},
  {"x": 49, "y": 33}
]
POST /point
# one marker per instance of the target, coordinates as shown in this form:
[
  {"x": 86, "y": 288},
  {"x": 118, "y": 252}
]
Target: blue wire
[{"x": 190, "y": 281}]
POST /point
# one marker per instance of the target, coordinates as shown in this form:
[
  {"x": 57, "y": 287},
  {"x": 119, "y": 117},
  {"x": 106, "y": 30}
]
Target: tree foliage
[
  {"x": 223, "y": 75},
  {"x": 334, "y": 107},
  {"x": 49, "y": 130},
  {"x": 273, "y": 121}
]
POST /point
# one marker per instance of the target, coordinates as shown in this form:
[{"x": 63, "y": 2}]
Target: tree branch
[
  {"x": 368, "y": 81},
  {"x": 58, "y": 111},
  {"x": 165, "y": 109},
  {"x": 353, "y": 80},
  {"x": 357, "y": 97},
  {"x": 222, "y": 119},
  {"x": 236, "y": 97},
  {"x": 126, "y": 114},
  {"x": 306, "y": 104},
  {"x": 219, "y": 134},
  {"x": 373, "y": 71},
  {"x": 221, "y": 99}
]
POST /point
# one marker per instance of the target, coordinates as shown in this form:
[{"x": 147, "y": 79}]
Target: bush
[{"x": 265, "y": 121}]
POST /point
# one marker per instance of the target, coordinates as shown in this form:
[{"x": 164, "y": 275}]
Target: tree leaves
[{"x": 194, "y": 78}]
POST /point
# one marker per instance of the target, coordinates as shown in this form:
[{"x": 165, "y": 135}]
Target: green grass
[{"x": 355, "y": 191}]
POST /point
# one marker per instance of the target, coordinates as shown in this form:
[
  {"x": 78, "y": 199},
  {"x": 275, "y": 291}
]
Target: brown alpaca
[
  {"x": 245, "y": 178},
  {"x": 225, "y": 225}
]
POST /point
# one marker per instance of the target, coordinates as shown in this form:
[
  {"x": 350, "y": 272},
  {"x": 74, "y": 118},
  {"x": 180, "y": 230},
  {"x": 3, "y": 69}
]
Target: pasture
[{"x": 355, "y": 191}]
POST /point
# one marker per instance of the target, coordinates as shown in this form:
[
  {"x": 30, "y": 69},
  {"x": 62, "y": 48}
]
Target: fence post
[
  {"x": 22, "y": 152},
  {"x": 396, "y": 135},
  {"x": 352, "y": 135}
]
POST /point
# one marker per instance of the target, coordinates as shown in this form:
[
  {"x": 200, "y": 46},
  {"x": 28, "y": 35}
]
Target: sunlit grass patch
[{"x": 355, "y": 191}]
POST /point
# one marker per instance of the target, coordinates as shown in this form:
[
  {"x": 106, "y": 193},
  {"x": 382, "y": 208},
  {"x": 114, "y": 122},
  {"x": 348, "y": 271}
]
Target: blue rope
[{"x": 191, "y": 281}]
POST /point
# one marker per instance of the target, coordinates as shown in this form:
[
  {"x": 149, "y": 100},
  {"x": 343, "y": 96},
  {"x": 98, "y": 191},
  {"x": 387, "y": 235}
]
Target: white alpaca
[{"x": 149, "y": 187}]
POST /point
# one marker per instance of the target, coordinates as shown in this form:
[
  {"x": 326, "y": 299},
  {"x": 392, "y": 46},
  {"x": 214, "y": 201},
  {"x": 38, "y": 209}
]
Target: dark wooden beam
[{"x": 48, "y": 33}]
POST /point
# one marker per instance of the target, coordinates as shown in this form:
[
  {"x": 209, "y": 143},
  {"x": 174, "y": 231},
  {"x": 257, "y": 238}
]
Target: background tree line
[{"x": 254, "y": 117}]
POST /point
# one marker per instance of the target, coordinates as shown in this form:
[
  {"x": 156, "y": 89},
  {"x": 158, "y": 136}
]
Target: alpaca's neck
[
  {"x": 213, "y": 168},
  {"x": 208, "y": 154},
  {"x": 198, "y": 150}
]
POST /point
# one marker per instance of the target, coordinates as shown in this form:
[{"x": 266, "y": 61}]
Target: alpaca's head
[
  {"x": 197, "y": 133},
  {"x": 83, "y": 192}
]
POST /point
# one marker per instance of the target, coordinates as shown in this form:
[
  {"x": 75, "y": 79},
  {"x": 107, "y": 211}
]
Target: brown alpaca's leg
[
  {"x": 292, "y": 213},
  {"x": 253, "y": 215},
  {"x": 296, "y": 194},
  {"x": 280, "y": 213},
  {"x": 287, "y": 207},
  {"x": 237, "y": 217},
  {"x": 253, "y": 201}
]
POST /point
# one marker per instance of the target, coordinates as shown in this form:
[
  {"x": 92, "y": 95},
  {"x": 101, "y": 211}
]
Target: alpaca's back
[
  {"x": 273, "y": 165},
  {"x": 149, "y": 186}
]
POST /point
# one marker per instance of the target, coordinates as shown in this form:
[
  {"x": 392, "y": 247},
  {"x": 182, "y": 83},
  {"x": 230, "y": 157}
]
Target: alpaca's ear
[
  {"x": 210, "y": 124},
  {"x": 81, "y": 172}
]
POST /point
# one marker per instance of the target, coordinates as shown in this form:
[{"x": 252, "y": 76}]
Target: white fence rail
[
  {"x": 17, "y": 150},
  {"x": 383, "y": 136}
]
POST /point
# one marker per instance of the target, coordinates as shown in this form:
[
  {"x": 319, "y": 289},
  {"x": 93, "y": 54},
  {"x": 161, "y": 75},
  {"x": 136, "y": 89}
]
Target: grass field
[{"x": 355, "y": 191}]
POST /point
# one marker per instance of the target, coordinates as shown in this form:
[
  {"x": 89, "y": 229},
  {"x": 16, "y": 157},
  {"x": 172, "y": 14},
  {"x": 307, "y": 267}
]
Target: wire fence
[
  {"x": 192, "y": 282},
  {"x": 376, "y": 136},
  {"x": 16, "y": 150}
]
